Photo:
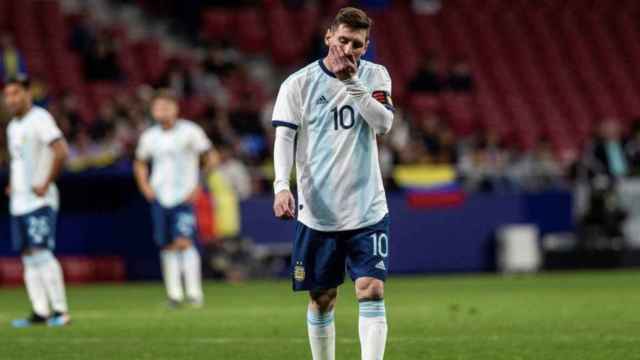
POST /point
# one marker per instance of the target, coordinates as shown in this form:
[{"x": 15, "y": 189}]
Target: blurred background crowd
[{"x": 95, "y": 65}]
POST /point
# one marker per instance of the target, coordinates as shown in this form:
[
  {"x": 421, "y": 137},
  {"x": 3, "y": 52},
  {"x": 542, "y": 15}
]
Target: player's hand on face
[
  {"x": 284, "y": 205},
  {"x": 41, "y": 190},
  {"x": 343, "y": 65}
]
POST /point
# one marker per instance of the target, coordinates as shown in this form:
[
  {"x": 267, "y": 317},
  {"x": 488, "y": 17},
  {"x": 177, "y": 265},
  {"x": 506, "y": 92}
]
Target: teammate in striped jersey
[
  {"x": 334, "y": 109},
  {"x": 38, "y": 151},
  {"x": 175, "y": 148}
]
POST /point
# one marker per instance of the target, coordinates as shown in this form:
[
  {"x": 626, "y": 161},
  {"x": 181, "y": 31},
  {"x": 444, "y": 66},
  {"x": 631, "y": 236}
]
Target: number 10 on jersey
[{"x": 345, "y": 117}]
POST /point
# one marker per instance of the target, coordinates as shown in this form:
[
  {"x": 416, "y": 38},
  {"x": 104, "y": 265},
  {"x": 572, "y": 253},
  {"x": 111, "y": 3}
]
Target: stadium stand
[{"x": 541, "y": 70}]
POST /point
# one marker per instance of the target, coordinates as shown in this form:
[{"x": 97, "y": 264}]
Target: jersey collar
[{"x": 326, "y": 71}]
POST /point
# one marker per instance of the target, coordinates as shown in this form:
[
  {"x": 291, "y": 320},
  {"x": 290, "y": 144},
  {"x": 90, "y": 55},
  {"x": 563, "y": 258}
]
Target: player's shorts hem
[
  {"x": 303, "y": 287},
  {"x": 314, "y": 226},
  {"x": 382, "y": 278}
]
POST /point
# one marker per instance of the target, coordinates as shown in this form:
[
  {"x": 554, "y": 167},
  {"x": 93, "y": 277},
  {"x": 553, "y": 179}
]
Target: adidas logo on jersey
[
  {"x": 322, "y": 100},
  {"x": 381, "y": 266}
]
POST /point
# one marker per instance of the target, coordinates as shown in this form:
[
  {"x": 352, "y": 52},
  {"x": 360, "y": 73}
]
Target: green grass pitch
[{"x": 549, "y": 316}]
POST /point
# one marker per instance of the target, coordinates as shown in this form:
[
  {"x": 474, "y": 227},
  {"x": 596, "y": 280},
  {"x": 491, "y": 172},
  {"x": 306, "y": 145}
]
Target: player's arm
[
  {"x": 49, "y": 133},
  {"x": 376, "y": 108},
  {"x": 209, "y": 160},
  {"x": 60, "y": 153},
  {"x": 284, "y": 205},
  {"x": 141, "y": 168},
  {"x": 209, "y": 157},
  {"x": 286, "y": 118},
  {"x": 141, "y": 174}
]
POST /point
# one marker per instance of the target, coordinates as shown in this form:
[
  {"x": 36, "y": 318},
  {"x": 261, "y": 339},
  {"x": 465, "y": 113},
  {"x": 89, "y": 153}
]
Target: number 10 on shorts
[{"x": 380, "y": 244}]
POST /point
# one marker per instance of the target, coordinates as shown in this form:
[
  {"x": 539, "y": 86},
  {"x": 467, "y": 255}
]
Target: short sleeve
[
  {"x": 200, "y": 140},
  {"x": 48, "y": 130},
  {"x": 381, "y": 87},
  {"x": 143, "y": 150},
  {"x": 286, "y": 111}
]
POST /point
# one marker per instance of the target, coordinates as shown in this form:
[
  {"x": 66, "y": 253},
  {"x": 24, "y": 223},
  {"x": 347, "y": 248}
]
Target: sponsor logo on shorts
[
  {"x": 298, "y": 273},
  {"x": 381, "y": 266}
]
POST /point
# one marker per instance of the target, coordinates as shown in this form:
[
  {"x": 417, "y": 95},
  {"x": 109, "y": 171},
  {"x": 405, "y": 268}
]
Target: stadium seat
[{"x": 217, "y": 23}]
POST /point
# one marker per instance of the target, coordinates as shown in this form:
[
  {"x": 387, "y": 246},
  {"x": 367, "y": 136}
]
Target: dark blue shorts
[
  {"x": 320, "y": 258},
  {"x": 34, "y": 229},
  {"x": 172, "y": 223}
]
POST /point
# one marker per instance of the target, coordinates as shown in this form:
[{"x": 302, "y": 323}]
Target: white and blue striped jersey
[
  {"x": 338, "y": 174},
  {"x": 175, "y": 159},
  {"x": 29, "y": 139}
]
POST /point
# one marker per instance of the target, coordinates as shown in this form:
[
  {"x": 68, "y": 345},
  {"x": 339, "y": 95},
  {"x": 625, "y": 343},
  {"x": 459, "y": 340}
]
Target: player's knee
[
  {"x": 323, "y": 300},
  {"x": 369, "y": 288}
]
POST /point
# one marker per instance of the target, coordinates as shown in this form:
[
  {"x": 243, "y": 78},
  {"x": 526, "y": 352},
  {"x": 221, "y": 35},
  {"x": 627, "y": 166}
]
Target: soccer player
[
  {"x": 38, "y": 152},
  {"x": 175, "y": 148},
  {"x": 332, "y": 111}
]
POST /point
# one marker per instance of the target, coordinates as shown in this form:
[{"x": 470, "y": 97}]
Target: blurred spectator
[
  {"x": 536, "y": 170},
  {"x": 609, "y": 150},
  {"x": 438, "y": 140},
  {"x": 177, "y": 79},
  {"x": 234, "y": 171},
  {"x": 100, "y": 60},
  {"x": 428, "y": 78},
  {"x": 484, "y": 166},
  {"x": 83, "y": 33},
  {"x": 428, "y": 7},
  {"x": 11, "y": 61},
  {"x": 104, "y": 123},
  {"x": 40, "y": 92},
  {"x": 633, "y": 148},
  {"x": 220, "y": 60},
  {"x": 459, "y": 77},
  {"x": 84, "y": 153}
]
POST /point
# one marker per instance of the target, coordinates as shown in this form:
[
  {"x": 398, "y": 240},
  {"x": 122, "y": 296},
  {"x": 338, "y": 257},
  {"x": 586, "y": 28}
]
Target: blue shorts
[
  {"x": 319, "y": 258},
  {"x": 172, "y": 223},
  {"x": 34, "y": 229}
]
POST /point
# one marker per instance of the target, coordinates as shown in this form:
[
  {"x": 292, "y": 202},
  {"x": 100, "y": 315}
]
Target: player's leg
[
  {"x": 169, "y": 254},
  {"x": 318, "y": 263},
  {"x": 191, "y": 271},
  {"x": 372, "y": 322},
  {"x": 31, "y": 234},
  {"x": 368, "y": 263},
  {"x": 184, "y": 231},
  {"x": 43, "y": 225},
  {"x": 36, "y": 291},
  {"x": 321, "y": 325}
]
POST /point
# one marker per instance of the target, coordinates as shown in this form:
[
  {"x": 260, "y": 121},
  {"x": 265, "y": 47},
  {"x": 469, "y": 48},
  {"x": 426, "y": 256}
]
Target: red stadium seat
[{"x": 217, "y": 23}]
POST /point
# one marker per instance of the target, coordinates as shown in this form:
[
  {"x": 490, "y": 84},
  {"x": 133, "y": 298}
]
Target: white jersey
[
  {"x": 338, "y": 175},
  {"x": 29, "y": 139},
  {"x": 175, "y": 158}
]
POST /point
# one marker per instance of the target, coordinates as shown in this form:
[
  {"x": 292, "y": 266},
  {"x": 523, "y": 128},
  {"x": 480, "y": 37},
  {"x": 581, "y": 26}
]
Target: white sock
[
  {"x": 322, "y": 334},
  {"x": 192, "y": 273},
  {"x": 171, "y": 273},
  {"x": 53, "y": 280},
  {"x": 35, "y": 286},
  {"x": 373, "y": 329}
]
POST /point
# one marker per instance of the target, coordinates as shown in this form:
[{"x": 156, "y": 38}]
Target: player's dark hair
[
  {"x": 353, "y": 18},
  {"x": 19, "y": 79},
  {"x": 165, "y": 94}
]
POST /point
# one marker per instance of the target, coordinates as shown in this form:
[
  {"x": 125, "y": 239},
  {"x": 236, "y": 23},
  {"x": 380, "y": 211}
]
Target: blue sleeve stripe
[
  {"x": 277, "y": 123},
  {"x": 390, "y": 108}
]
